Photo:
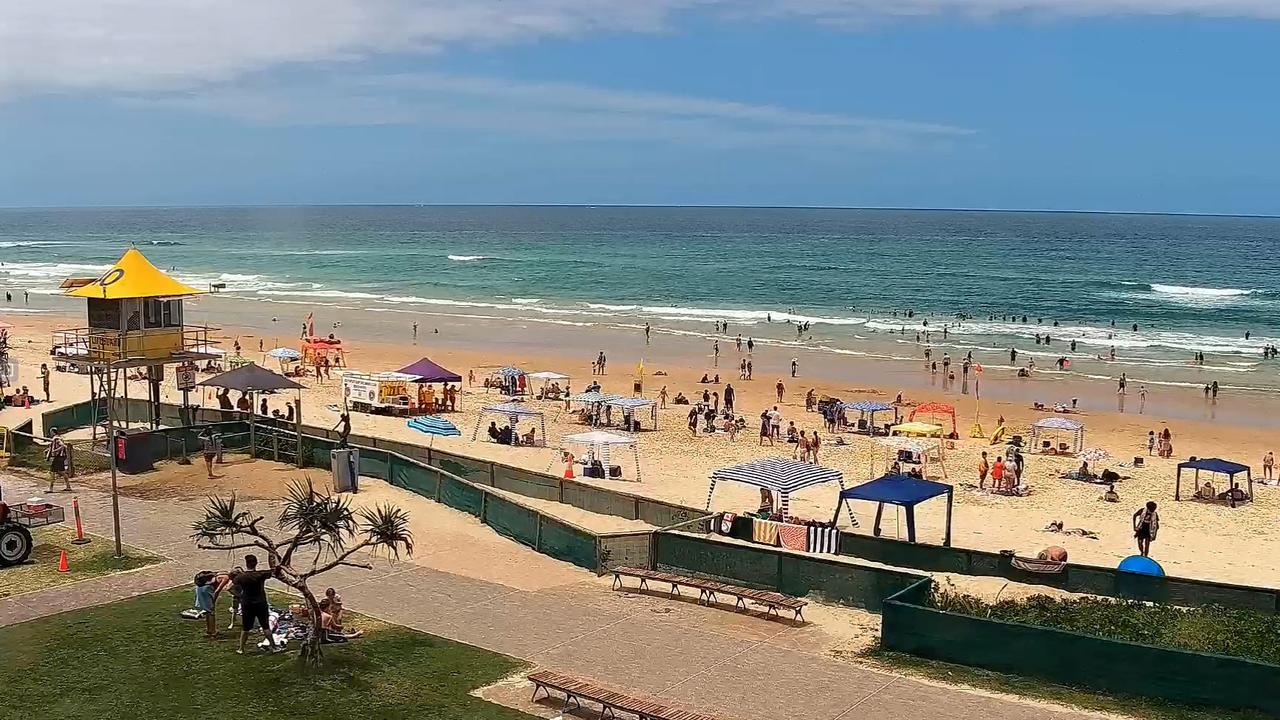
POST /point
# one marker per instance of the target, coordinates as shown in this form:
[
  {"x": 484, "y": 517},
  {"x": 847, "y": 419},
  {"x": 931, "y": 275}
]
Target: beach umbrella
[
  {"x": 434, "y": 425},
  {"x": 1094, "y": 454},
  {"x": 284, "y": 353}
]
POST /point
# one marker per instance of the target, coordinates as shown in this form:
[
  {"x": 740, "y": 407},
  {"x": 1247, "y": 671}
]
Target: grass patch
[
  {"x": 1244, "y": 634},
  {"x": 83, "y": 561},
  {"x": 1144, "y": 708},
  {"x": 136, "y": 659}
]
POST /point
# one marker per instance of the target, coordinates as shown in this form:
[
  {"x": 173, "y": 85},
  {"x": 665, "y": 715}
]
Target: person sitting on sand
[
  {"x": 792, "y": 433},
  {"x": 1084, "y": 473},
  {"x": 766, "y": 502},
  {"x": 493, "y": 430},
  {"x": 1111, "y": 495},
  {"x": 705, "y": 379},
  {"x": 680, "y": 399}
]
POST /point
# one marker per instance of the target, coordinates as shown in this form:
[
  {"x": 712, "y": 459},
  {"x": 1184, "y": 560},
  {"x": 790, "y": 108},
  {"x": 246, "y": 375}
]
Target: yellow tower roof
[{"x": 133, "y": 276}]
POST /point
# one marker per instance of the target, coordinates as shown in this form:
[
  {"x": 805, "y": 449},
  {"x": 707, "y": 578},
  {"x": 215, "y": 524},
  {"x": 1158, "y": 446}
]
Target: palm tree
[{"x": 316, "y": 532}]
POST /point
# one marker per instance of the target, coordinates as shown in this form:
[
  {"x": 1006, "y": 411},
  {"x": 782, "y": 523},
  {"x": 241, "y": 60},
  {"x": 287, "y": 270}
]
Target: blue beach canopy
[
  {"x": 901, "y": 490},
  {"x": 510, "y": 371},
  {"x": 867, "y": 406},
  {"x": 1222, "y": 467},
  {"x": 592, "y": 397}
]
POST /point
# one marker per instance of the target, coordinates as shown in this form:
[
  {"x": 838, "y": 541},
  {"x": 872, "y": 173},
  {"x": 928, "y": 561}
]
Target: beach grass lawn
[
  {"x": 137, "y": 659},
  {"x": 83, "y": 561}
]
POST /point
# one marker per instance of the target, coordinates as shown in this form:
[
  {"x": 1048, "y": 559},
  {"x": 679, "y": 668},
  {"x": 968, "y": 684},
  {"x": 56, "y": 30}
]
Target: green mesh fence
[
  {"x": 414, "y": 477},
  {"x": 461, "y": 496},
  {"x": 840, "y": 583},
  {"x": 1079, "y": 660},
  {"x": 625, "y": 550},
  {"x": 598, "y": 500},
  {"x": 373, "y": 463},
  {"x": 737, "y": 564},
  {"x": 565, "y": 542},
  {"x": 660, "y": 514},
  {"x": 477, "y": 471},
  {"x": 526, "y": 483},
  {"x": 515, "y": 521}
]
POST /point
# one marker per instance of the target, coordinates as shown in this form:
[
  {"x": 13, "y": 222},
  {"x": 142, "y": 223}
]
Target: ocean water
[{"x": 1191, "y": 284}]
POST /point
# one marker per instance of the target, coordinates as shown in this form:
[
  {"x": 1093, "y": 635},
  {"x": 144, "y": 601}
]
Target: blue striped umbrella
[{"x": 433, "y": 425}]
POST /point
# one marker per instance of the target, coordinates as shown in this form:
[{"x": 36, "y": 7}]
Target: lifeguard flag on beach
[{"x": 640, "y": 368}]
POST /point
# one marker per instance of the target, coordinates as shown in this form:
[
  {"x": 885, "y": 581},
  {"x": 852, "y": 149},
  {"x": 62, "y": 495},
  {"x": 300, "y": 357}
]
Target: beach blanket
[
  {"x": 1034, "y": 565},
  {"x": 824, "y": 540},
  {"x": 794, "y": 537},
  {"x": 764, "y": 532}
]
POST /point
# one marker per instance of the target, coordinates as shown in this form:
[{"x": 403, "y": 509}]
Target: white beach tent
[
  {"x": 600, "y": 445},
  {"x": 513, "y": 412},
  {"x": 929, "y": 450}
]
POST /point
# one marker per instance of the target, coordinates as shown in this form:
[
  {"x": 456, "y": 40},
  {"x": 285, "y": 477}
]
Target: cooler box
[{"x": 345, "y": 465}]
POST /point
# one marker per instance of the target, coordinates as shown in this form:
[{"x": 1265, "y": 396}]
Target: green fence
[
  {"x": 797, "y": 574},
  {"x": 910, "y": 626}
]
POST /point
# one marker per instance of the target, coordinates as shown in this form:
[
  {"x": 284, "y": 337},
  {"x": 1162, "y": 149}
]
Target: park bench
[
  {"x": 577, "y": 689},
  {"x": 708, "y": 590}
]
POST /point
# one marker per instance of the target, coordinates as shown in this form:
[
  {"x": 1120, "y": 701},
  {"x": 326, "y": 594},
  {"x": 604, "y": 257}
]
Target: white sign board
[{"x": 186, "y": 378}]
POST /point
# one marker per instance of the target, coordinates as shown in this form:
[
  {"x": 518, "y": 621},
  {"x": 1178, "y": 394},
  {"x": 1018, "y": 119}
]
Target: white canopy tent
[
  {"x": 513, "y": 412},
  {"x": 929, "y": 450},
  {"x": 1056, "y": 426},
  {"x": 600, "y": 445},
  {"x": 631, "y": 405}
]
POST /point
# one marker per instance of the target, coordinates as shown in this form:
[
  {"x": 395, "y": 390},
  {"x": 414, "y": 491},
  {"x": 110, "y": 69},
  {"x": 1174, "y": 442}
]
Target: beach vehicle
[
  {"x": 16, "y": 522},
  {"x": 390, "y": 393}
]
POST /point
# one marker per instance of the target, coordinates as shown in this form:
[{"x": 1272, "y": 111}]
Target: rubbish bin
[{"x": 345, "y": 466}]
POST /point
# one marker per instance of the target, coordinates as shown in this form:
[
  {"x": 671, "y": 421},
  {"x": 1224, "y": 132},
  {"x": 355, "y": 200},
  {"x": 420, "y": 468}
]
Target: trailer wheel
[{"x": 15, "y": 545}]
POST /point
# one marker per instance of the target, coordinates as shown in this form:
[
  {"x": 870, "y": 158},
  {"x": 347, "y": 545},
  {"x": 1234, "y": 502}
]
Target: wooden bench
[
  {"x": 709, "y": 589},
  {"x": 577, "y": 689}
]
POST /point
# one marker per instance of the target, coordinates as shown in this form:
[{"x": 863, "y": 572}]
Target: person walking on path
[
  {"x": 59, "y": 457},
  {"x": 209, "y": 449},
  {"x": 1146, "y": 524}
]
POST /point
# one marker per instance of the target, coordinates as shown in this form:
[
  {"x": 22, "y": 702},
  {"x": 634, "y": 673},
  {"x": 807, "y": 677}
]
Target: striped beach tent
[{"x": 781, "y": 475}]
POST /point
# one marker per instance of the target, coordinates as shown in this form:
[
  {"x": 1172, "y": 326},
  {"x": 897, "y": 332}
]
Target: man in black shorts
[{"x": 253, "y": 602}]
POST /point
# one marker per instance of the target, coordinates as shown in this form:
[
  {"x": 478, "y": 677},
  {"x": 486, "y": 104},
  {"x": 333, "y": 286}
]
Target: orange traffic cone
[{"x": 62, "y": 563}]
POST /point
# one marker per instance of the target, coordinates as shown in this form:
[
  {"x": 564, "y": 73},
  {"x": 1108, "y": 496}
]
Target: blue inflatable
[{"x": 1141, "y": 566}]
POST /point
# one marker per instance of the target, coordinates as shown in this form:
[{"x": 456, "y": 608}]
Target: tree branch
[
  {"x": 236, "y": 546},
  {"x": 340, "y": 560}
]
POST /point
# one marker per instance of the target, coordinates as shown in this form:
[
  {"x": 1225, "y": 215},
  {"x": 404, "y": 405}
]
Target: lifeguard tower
[{"x": 134, "y": 323}]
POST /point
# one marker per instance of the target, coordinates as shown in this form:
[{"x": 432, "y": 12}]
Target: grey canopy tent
[
  {"x": 1050, "y": 425},
  {"x": 252, "y": 379},
  {"x": 780, "y": 475},
  {"x": 513, "y": 411}
]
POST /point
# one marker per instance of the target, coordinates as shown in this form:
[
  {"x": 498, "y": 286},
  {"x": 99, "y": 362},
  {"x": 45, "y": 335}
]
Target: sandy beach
[{"x": 1197, "y": 539}]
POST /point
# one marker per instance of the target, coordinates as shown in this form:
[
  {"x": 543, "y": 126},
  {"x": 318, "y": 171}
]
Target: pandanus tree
[{"x": 316, "y": 532}]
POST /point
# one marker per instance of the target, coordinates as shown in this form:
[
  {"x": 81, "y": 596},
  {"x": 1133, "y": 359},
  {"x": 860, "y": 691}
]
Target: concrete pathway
[{"x": 734, "y": 664}]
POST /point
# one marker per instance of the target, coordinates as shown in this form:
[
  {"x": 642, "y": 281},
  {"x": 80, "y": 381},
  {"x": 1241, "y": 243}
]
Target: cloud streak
[
  {"x": 543, "y": 111},
  {"x": 132, "y": 45}
]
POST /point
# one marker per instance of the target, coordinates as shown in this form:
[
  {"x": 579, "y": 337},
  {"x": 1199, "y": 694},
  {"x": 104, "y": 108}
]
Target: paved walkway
[{"x": 738, "y": 665}]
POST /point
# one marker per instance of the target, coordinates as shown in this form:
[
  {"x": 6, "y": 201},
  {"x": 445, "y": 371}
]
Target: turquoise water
[{"x": 1191, "y": 284}]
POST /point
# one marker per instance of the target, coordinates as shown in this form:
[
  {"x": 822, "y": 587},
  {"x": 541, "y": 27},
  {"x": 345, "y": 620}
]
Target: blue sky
[{"x": 1150, "y": 105}]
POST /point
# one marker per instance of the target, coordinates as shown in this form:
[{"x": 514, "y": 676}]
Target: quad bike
[{"x": 16, "y": 522}]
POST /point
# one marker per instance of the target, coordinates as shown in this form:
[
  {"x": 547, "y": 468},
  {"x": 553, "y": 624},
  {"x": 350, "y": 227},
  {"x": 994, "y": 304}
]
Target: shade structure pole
[
  {"x": 297, "y": 426},
  {"x": 635, "y": 452},
  {"x": 710, "y": 491},
  {"x": 111, "y": 450},
  {"x": 253, "y": 446},
  {"x": 946, "y": 538},
  {"x": 853, "y": 521}
]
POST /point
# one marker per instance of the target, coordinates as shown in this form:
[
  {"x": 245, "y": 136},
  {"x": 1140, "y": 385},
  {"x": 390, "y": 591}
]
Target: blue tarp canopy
[
  {"x": 1218, "y": 465},
  {"x": 902, "y": 490},
  {"x": 866, "y": 406},
  {"x": 1233, "y": 494}
]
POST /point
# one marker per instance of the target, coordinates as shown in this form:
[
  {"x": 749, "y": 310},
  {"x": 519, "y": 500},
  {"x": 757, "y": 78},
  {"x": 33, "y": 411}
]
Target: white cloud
[
  {"x": 561, "y": 111},
  {"x": 55, "y": 45}
]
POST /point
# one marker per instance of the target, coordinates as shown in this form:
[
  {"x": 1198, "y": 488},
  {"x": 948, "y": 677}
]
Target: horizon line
[{"x": 694, "y": 206}]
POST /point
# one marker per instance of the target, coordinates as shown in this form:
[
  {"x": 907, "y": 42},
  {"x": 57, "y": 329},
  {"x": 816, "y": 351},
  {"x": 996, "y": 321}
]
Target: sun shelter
[
  {"x": 1233, "y": 493},
  {"x": 514, "y": 412},
  {"x": 510, "y": 380},
  {"x": 1056, "y": 427},
  {"x": 630, "y": 406},
  {"x": 601, "y": 445},
  {"x": 904, "y": 491},
  {"x": 593, "y": 403},
  {"x": 428, "y": 372},
  {"x": 252, "y": 379},
  {"x": 867, "y": 410},
  {"x": 933, "y": 410},
  {"x": 916, "y": 429},
  {"x": 781, "y": 475},
  {"x": 928, "y": 450}
]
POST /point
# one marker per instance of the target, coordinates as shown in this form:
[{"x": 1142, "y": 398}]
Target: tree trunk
[{"x": 310, "y": 653}]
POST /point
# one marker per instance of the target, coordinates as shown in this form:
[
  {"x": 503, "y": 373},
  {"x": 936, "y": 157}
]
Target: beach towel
[
  {"x": 794, "y": 537},
  {"x": 764, "y": 532},
  {"x": 726, "y": 522},
  {"x": 824, "y": 540},
  {"x": 1034, "y": 565}
]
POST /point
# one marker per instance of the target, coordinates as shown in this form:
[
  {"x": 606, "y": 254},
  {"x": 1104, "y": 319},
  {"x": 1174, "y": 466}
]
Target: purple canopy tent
[{"x": 429, "y": 372}]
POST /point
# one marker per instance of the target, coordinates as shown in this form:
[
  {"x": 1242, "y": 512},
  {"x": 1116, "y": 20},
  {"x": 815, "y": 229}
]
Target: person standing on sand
[
  {"x": 779, "y": 389},
  {"x": 1120, "y": 384},
  {"x": 795, "y": 366},
  {"x": 751, "y": 344},
  {"x": 742, "y": 369},
  {"x": 1151, "y": 442},
  {"x": 775, "y": 422},
  {"x": 662, "y": 397},
  {"x": 749, "y": 371},
  {"x": 1268, "y": 466},
  {"x": 814, "y": 445},
  {"x": 997, "y": 474},
  {"x": 415, "y": 333},
  {"x": 693, "y": 421},
  {"x": 600, "y": 361},
  {"x": 715, "y": 353},
  {"x": 983, "y": 469},
  {"x": 766, "y": 427},
  {"x": 647, "y": 330},
  {"x": 738, "y": 342},
  {"x": 1214, "y": 387},
  {"x": 1142, "y": 398},
  {"x": 44, "y": 379},
  {"x": 1146, "y": 524},
  {"x": 729, "y": 395}
]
